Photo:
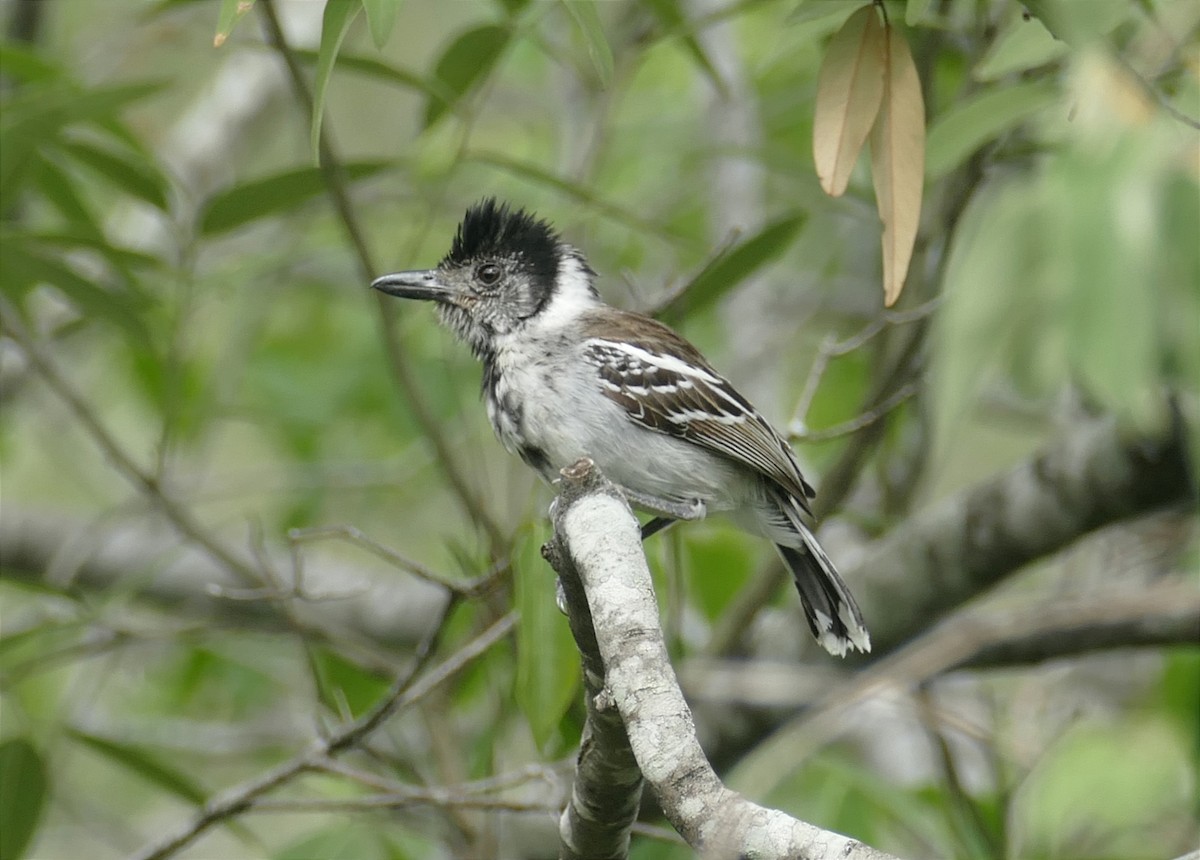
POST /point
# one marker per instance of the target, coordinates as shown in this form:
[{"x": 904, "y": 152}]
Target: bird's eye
[{"x": 488, "y": 274}]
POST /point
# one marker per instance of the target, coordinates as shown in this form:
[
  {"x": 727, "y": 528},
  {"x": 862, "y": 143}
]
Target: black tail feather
[{"x": 829, "y": 606}]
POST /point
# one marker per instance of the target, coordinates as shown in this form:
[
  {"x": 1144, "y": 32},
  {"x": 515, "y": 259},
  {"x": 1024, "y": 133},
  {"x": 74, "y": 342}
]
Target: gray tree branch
[
  {"x": 1162, "y": 615},
  {"x": 340, "y": 602},
  {"x": 597, "y": 542},
  {"x": 607, "y": 791},
  {"x": 1093, "y": 476}
]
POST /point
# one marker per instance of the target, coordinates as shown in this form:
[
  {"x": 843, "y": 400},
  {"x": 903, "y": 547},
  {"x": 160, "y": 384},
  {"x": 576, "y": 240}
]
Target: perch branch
[{"x": 598, "y": 541}]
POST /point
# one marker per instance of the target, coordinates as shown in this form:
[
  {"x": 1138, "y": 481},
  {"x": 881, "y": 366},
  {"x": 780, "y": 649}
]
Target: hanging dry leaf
[
  {"x": 849, "y": 90},
  {"x": 898, "y": 162}
]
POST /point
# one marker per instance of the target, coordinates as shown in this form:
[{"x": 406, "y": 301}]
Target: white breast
[{"x": 559, "y": 410}]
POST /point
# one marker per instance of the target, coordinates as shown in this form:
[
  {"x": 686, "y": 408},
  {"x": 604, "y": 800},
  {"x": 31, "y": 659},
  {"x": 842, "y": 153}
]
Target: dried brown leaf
[
  {"x": 898, "y": 162},
  {"x": 849, "y": 91}
]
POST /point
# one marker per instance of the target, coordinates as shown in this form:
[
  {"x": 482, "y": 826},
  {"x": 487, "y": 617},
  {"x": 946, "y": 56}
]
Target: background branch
[
  {"x": 943, "y": 556},
  {"x": 406, "y": 690},
  {"x": 1163, "y": 615},
  {"x": 174, "y": 511},
  {"x": 50, "y": 550},
  {"x": 1093, "y": 476},
  {"x": 961, "y": 642}
]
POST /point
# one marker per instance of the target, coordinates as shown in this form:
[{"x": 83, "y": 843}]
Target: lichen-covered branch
[
  {"x": 607, "y": 790},
  {"x": 597, "y": 540}
]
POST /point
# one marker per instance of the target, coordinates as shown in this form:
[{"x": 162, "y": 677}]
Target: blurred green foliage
[{"x": 211, "y": 309}]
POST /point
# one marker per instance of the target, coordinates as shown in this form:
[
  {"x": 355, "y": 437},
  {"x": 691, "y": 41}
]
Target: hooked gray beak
[{"x": 415, "y": 285}]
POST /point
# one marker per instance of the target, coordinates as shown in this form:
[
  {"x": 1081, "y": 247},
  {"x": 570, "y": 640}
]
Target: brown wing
[{"x": 666, "y": 385}]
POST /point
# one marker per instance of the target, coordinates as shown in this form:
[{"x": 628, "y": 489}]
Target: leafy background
[{"x": 188, "y": 231}]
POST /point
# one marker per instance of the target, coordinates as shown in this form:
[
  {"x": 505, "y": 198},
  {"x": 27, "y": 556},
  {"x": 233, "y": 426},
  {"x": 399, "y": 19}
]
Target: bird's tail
[{"x": 828, "y": 604}]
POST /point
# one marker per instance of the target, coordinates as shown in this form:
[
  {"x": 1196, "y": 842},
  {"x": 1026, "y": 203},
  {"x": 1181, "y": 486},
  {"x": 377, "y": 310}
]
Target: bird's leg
[
  {"x": 667, "y": 508},
  {"x": 654, "y": 526}
]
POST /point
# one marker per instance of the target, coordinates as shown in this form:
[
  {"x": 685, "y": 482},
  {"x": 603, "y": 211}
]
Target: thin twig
[
  {"x": 464, "y": 588},
  {"x": 966, "y": 820},
  {"x": 417, "y": 797},
  {"x": 831, "y": 348},
  {"x": 1154, "y": 95},
  {"x": 175, "y": 512},
  {"x": 674, "y": 294},
  {"x": 859, "y": 422},
  {"x": 488, "y": 785},
  {"x": 405, "y": 691},
  {"x": 966, "y": 638},
  {"x": 654, "y": 831}
]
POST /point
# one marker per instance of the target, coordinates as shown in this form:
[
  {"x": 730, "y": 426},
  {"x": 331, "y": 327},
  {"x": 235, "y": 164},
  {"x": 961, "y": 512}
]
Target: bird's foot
[{"x": 667, "y": 508}]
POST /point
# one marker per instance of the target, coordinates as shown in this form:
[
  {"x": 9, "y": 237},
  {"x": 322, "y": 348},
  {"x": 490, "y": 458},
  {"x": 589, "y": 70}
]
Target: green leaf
[
  {"x": 722, "y": 560},
  {"x": 915, "y": 11},
  {"x": 575, "y": 190},
  {"x": 61, "y": 191},
  {"x": 964, "y": 128},
  {"x": 122, "y": 260},
  {"x": 99, "y": 104},
  {"x": 24, "y": 267},
  {"x": 385, "y": 72},
  {"x": 381, "y": 18},
  {"x": 144, "y": 764},
  {"x": 731, "y": 268},
  {"x": 464, "y": 64},
  {"x": 1079, "y": 23},
  {"x": 18, "y": 64},
  {"x": 150, "y": 767},
  {"x": 335, "y": 23},
  {"x": 272, "y": 195},
  {"x": 206, "y": 683},
  {"x": 1180, "y": 691},
  {"x": 136, "y": 177},
  {"x": 512, "y": 8},
  {"x": 673, "y": 22},
  {"x": 843, "y": 795},
  {"x": 231, "y": 12},
  {"x": 65, "y": 240},
  {"x": 340, "y": 841},
  {"x": 1102, "y": 787},
  {"x": 588, "y": 21},
  {"x": 991, "y": 259},
  {"x": 1023, "y": 45},
  {"x": 22, "y": 795},
  {"x": 342, "y": 683},
  {"x": 548, "y": 673},
  {"x": 1109, "y": 315},
  {"x": 38, "y": 641},
  {"x": 32, "y": 123}
]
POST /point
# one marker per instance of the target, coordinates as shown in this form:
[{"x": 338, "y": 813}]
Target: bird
[{"x": 567, "y": 376}]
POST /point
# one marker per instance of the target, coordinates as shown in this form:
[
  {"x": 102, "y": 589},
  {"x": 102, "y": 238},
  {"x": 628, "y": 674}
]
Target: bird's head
[{"x": 505, "y": 270}]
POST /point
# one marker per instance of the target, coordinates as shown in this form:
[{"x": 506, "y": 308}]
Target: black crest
[{"x": 491, "y": 228}]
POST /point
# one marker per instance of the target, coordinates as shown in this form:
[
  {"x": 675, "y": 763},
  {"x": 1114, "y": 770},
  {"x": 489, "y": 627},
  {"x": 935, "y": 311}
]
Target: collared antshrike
[{"x": 566, "y": 376}]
